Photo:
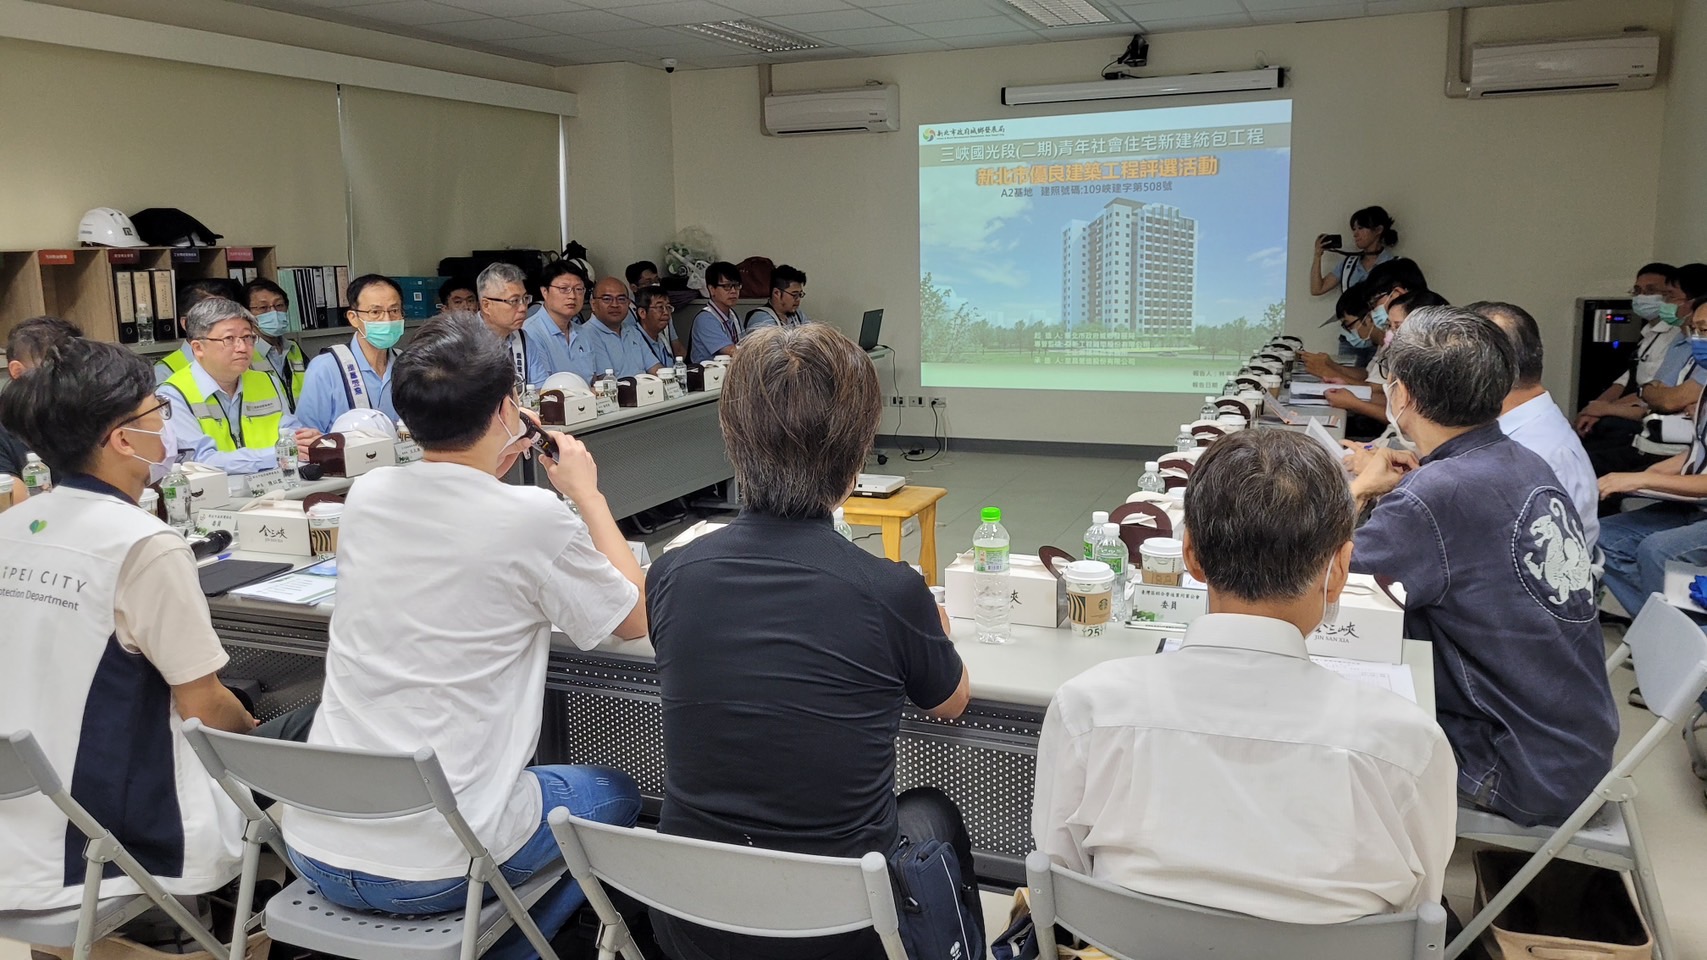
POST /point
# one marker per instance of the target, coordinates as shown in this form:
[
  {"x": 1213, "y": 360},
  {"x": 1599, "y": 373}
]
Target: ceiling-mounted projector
[{"x": 1268, "y": 78}]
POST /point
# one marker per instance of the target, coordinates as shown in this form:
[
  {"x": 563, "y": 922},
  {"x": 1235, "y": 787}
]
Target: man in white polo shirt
[
  {"x": 449, "y": 584},
  {"x": 107, "y": 644},
  {"x": 1234, "y": 773}
]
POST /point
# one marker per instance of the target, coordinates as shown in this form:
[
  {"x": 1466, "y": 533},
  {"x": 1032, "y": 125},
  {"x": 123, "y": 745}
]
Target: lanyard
[
  {"x": 519, "y": 353},
  {"x": 729, "y": 325}
]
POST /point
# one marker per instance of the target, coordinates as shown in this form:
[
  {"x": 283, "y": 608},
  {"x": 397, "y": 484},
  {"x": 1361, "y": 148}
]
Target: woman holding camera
[{"x": 1372, "y": 235}]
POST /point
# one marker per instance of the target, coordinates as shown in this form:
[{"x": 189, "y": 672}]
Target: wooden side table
[{"x": 891, "y": 512}]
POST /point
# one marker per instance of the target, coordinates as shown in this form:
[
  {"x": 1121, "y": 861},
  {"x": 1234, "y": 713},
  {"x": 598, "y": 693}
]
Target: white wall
[
  {"x": 1536, "y": 200},
  {"x": 1681, "y": 236},
  {"x": 622, "y": 191}
]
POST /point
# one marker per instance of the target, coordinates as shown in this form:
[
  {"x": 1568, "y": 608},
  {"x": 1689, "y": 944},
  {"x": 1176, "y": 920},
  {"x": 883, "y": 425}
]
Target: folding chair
[
  {"x": 362, "y": 785},
  {"x": 1134, "y": 926},
  {"x": 25, "y": 771},
  {"x": 1671, "y": 667},
  {"x": 744, "y": 890}
]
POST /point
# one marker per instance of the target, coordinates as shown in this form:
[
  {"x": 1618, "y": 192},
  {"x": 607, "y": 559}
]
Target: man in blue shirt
[
  {"x": 357, "y": 374},
  {"x": 551, "y": 329},
  {"x": 612, "y": 341},
  {"x": 1491, "y": 553},
  {"x": 652, "y": 306},
  {"x": 504, "y": 301},
  {"x": 716, "y": 330}
]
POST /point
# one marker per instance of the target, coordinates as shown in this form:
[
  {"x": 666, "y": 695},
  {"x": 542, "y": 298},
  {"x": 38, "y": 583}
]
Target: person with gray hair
[
  {"x": 1530, "y": 417},
  {"x": 1229, "y": 739},
  {"x": 504, "y": 301},
  {"x": 1496, "y": 571},
  {"x": 225, "y": 413}
]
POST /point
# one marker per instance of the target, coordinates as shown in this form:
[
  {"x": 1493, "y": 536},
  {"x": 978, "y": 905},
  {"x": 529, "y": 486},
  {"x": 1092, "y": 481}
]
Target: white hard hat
[
  {"x": 586, "y": 268},
  {"x": 369, "y": 421},
  {"x": 106, "y": 227},
  {"x": 566, "y": 382}
]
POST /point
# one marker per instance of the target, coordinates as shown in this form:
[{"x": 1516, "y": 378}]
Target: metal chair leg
[{"x": 1647, "y": 890}]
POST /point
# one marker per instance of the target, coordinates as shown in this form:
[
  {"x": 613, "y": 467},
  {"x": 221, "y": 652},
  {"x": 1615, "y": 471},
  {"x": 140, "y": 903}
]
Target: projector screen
[{"x": 1142, "y": 250}]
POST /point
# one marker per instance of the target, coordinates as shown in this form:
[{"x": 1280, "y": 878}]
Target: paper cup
[
  {"x": 323, "y": 519},
  {"x": 1090, "y": 596},
  {"x": 1163, "y": 561}
]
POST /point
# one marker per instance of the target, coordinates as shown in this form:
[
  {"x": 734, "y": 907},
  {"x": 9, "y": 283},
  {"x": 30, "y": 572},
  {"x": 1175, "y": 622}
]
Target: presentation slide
[{"x": 1140, "y": 250}]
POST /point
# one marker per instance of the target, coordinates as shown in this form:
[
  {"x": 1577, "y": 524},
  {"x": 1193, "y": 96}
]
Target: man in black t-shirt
[
  {"x": 28, "y": 342},
  {"x": 786, "y": 654}
]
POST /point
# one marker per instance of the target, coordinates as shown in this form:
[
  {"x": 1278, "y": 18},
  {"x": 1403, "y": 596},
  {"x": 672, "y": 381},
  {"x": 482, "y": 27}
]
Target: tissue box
[
  {"x": 642, "y": 390},
  {"x": 274, "y": 527},
  {"x": 1158, "y": 604},
  {"x": 1040, "y": 599},
  {"x": 565, "y": 407},
  {"x": 209, "y": 486},
  {"x": 707, "y": 376},
  {"x": 1370, "y": 626},
  {"x": 352, "y": 454}
]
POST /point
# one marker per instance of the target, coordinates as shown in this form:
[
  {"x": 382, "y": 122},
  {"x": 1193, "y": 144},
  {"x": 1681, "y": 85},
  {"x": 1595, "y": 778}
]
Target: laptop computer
[{"x": 869, "y": 328}]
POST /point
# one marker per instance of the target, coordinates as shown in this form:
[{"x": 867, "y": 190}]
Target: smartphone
[
  {"x": 1333, "y": 241},
  {"x": 542, "y": 440}
]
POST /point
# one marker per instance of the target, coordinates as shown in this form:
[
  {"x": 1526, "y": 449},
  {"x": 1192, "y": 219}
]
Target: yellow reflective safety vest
[{"x": 258, "y": 426}]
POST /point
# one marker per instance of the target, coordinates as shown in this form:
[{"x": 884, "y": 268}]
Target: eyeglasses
[
  {"x": 380, "y": 313},
  {"x": 278, "y": 306},
  {"x": 230, "y": 343},
  {"x": 514, "y": 303},
  {"x": 567, "y": 291},
  {"x": 663, "y": 306},
  {"x": 164, "y": 408},
  {"x": 611, "y": 301},
  {"x": 796, "y": 294},
  {"x": 728, "y": 286}
]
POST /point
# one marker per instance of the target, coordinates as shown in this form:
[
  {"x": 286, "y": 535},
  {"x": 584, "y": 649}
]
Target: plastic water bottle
[
  {"x": 1150, "y": 482},
  {"x": 1185, "y": 441},
  {"x": 1112, "y": 551},
  {"x": 605, "y": 393},
  {"x": 681, "y": 375},
  {"x": 5, "y": 491},
  {"x": 37, "y": 477},
  {"x": 992, "y": 604},
  {"x": 144, "y": 323},
  {"x": 842, "y": 524},
  {"x": 175, "y": 490},
  {"x": 1230, "y": 389},
  {"x": 286, "y": 449},
  {"x": 530, "y": 397},
  {"x": 1093, "y": 536},
  {"x": 1208, "y": 410}
]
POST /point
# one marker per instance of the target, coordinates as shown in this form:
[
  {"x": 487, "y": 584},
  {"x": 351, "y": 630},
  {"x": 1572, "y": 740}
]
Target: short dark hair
[
  {"x": 633, "y": 271},
  {"x": 1456, "y": 365},
  {"x": 721, "y": 271},
  {"x": 366, "y": 280},
  {"x": 1395, "y": 273},
  {"x": 1525, "y": 336},
  {"x": 209, "y": 288},
  {"x": 262, "y": 285},
  {"x": 799, "y": 414},
  {"x": 555, "y": 269},
  {"x": 1692, "y": 280},
  {"x": 645, "y": 295},
  {"x": 784, "y": 275},
  {"x": 451, "y": 380},
  {"x": 1266, "y": 510},
  {"x": 78, "y": 392},
  {"x": 1354, "y": 302},
  {"x": 1663, "y": 270},
  {"x": 453, "y": 284},
  {"x": 1419, "y": 298},
  {"x": 31, "y": 339},
  {"x": 1376, "y": 218}
]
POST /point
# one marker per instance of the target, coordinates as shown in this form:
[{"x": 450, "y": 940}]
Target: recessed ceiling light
[
  {"x": 754, "y": 36},
  {"x": 1060, "y": 13}
]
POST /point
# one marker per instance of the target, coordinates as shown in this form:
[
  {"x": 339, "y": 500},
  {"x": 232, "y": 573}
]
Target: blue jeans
[
  {"x": 602, "y": 794},
  {"x": 1637, "y": 545}
]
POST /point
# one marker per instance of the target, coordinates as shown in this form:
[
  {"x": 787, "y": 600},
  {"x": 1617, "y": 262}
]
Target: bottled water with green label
[
  {"x": 175, "y": 491},
  {"x": 992, "y": 597},
  {"x": 1112, "y": 551},
  {"x": 1094, "y": 535},
  {"x": 286, "y": 449},
  {"x": 1150, "y": 482},
  {"x": 842, "y": 524},
  {"x": 37, "y": 478}
]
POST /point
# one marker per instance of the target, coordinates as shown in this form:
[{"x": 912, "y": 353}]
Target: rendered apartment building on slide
[{"x": 1132, "y": 268}]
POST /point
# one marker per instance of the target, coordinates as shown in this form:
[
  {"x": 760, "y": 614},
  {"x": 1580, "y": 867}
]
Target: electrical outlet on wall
[{"x": 915, "y": 401}]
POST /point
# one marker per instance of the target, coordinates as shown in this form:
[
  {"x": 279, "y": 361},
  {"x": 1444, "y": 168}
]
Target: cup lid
[
  {"x": 326, "y": 510},
  {"x": 1162, "y": 547},
  {"x": 1089, "y": 570}
]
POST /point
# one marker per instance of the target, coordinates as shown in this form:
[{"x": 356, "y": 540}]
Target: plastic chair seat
[
  {"x": 1603, "y": 841},
  {"x": 58, "y": 928},
  {"x": 300, "y": 916}
]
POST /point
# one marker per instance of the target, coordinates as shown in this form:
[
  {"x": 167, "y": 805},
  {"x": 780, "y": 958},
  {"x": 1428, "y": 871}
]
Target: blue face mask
[
  {"x": 1378, "y": 315},
  {"x": 1357, "y": 342},
  {"x": 1698, "y": 348},
  {"x": 273, "y": 322}
]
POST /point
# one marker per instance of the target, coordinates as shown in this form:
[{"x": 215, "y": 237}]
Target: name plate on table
[
  {"x": 1156, "y": 604},
  {"x": 207, "y": 521},
  {"x": 265, "y": 482}
]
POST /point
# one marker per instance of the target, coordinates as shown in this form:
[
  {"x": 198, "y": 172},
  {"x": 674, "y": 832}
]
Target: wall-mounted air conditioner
[
  {"x": 1627, "y": 62},
  {"x": 869, "y": 109}
]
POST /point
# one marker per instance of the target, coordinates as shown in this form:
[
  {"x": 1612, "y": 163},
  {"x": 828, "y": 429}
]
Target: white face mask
[
  {"x": 157, "y": 471},
  {"x": 1330, "y": 609},
  {"x": 1393, "y": 415},
  {"x": 1646, "y": 305}
]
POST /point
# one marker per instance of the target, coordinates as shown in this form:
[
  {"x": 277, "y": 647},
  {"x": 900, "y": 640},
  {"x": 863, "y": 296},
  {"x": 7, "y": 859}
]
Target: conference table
[
  {"x": 602, "y": 706},
  {"x": 650, "y": 455}
]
